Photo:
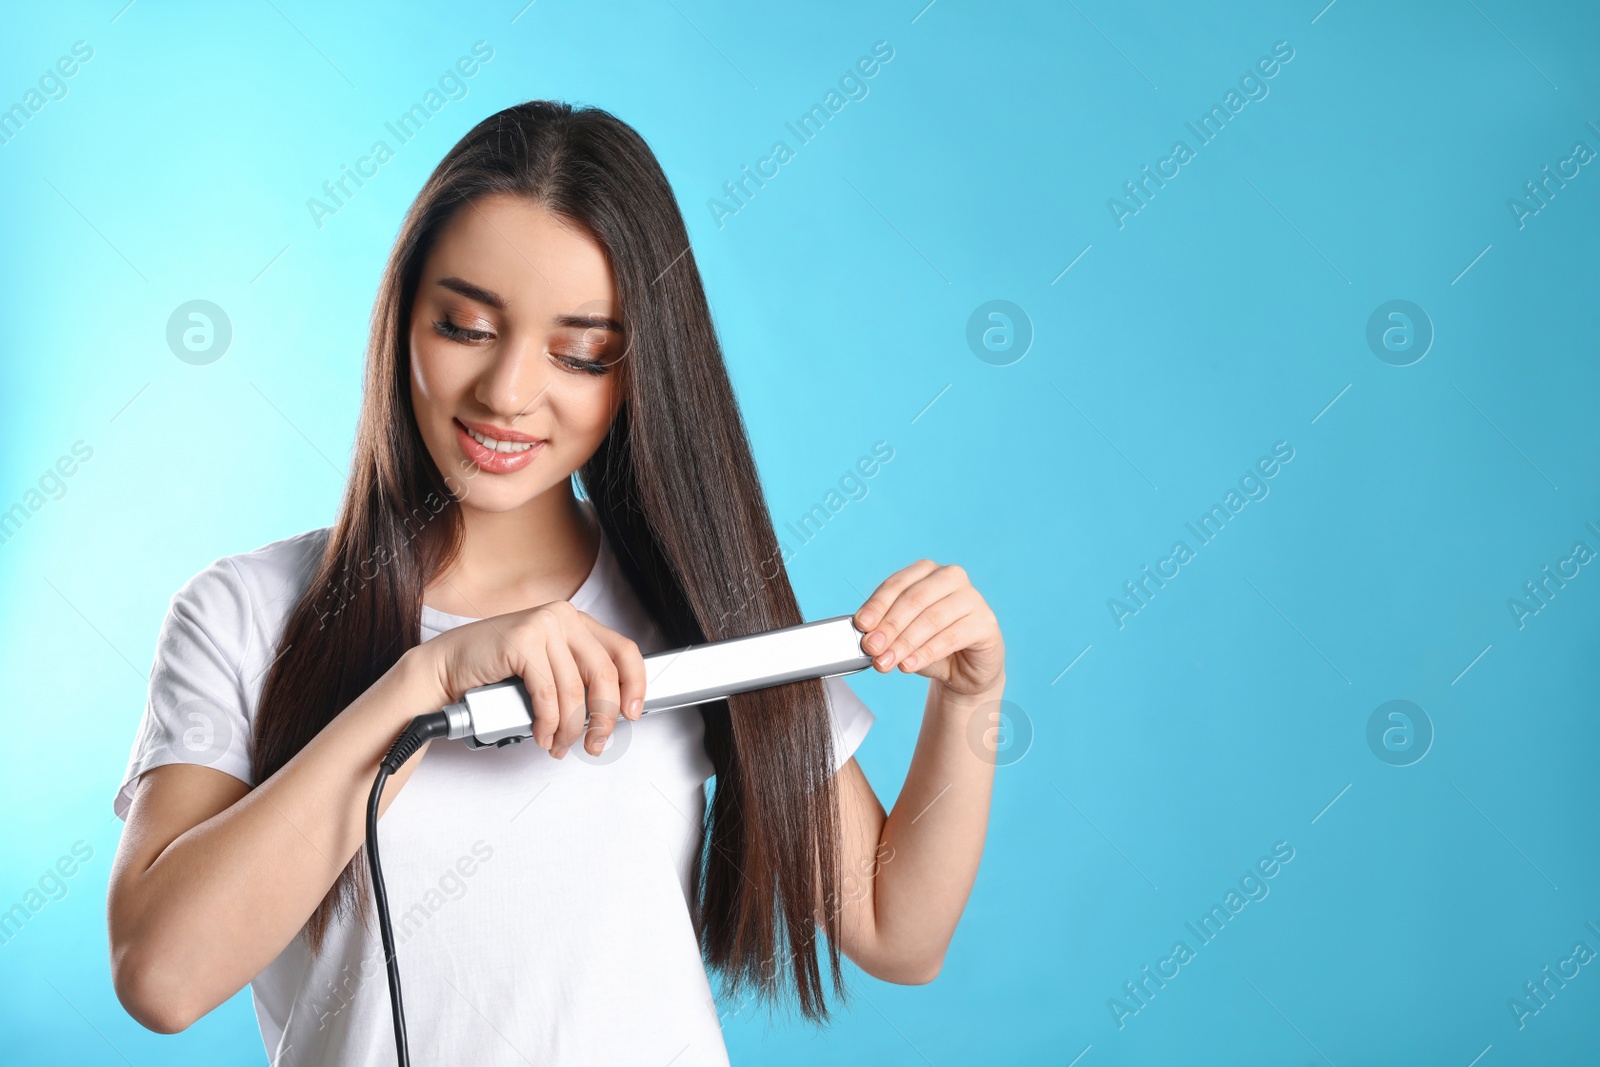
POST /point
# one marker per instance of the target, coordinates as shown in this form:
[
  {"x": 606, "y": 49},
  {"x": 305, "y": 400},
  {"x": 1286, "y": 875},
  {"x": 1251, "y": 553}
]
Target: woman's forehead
[{"x": 514, "y": 255}]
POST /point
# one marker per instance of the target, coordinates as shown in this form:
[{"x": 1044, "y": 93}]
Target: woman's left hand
[{"x": 929, "y": 620}]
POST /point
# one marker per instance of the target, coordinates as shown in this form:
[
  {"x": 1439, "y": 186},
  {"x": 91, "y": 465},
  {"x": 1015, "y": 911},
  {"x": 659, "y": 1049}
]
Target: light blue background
[{"x": 1227, "y": 315}]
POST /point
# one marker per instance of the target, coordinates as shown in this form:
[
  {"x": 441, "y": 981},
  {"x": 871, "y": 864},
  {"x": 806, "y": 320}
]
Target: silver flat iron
[{"x": 500, "y": 713}]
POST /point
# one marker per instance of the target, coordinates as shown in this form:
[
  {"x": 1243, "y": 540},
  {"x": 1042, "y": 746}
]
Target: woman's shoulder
[
  {"x": 241, "y": 600},
  {"x": 267, "y": 572},
  {"x": 286, "y": 563}
]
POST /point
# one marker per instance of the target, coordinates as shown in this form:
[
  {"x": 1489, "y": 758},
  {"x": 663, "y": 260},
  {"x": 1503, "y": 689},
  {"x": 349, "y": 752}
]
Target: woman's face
[{"x": 516, "y": 350}]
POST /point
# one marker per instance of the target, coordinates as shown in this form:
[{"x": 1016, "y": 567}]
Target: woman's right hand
[{"x": 556, "y": 650}]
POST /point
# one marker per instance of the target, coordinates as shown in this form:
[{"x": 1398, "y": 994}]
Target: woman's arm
[
  {"x": 212, "y": 878},
  {"x": 905, "y": 877}
]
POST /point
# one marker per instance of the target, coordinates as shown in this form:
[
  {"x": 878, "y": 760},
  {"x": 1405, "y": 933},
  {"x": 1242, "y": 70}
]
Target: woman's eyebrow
[
  {"x": 474, "y": 292},
  {"x": 589, "y": 322}
]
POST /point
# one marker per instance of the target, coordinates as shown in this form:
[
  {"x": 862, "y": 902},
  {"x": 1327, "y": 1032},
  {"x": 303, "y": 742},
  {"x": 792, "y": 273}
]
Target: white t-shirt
[{"x": 541, "y": 907}]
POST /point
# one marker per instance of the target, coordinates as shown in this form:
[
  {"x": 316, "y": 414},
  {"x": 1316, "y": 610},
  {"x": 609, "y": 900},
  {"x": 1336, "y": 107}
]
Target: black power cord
[{"x": 421, "y": 730}]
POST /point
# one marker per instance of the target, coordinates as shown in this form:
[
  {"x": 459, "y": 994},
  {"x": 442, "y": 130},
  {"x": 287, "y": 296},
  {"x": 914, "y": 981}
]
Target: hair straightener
[{"x": 500, "y": 714}]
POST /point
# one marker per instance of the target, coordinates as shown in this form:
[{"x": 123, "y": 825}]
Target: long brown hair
[{"x": 676, "y": 491}]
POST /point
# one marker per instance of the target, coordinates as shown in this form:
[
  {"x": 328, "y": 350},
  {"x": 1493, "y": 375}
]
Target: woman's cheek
[
  {"x": 425, "y": 374},
  {"x": 434, "y": 392},
  {"x": 586, "y": 411},
  {"x": 421, "y": 380}
]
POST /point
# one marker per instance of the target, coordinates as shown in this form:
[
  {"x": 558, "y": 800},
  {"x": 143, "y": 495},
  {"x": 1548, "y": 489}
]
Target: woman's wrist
[
  {"x": 960, "y": 706},
  {"x": 413, "y": 687}
]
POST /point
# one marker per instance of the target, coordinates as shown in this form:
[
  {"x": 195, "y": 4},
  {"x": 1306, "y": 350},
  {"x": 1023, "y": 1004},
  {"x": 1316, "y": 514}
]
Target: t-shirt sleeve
[
  {"x": 849, "y": 717},
  {"x": 196, "y": 710}
]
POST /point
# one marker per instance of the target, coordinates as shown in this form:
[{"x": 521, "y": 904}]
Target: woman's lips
[{"x": 491, "y": 460}]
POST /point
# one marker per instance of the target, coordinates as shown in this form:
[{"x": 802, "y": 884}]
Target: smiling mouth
[
  {"x": 495, "y": 454},
  {"x": 512, "y": 444},
  {"x": 498, "y": 445}
]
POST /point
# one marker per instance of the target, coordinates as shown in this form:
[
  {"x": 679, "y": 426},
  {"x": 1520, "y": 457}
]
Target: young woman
[{"x": 540, "y": 320}]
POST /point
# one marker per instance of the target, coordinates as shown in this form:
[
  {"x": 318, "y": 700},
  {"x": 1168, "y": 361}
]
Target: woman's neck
[{"x": 512, "y": 560}]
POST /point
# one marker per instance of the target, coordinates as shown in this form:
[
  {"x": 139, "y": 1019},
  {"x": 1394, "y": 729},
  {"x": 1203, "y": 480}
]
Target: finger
[
  {"x": 569, "y": 692},
  {"x": 629, "y": 662},
  {"x": 540, "y": 683},
  {"x": 528, "y": 634},
  {"x": 958, "y": 635},
  {"x": 907, "y": 605},
  {"x": 600, "y": 674},
  {"x": 878, "y": 603},
  {"x": 929, "y": 621}
]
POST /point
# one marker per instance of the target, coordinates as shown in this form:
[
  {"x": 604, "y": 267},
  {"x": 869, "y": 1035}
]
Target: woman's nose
[{"x": 514, "y": 381}]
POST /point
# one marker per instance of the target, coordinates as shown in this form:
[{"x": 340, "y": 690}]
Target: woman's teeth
[{"x": 501, "y": 446}]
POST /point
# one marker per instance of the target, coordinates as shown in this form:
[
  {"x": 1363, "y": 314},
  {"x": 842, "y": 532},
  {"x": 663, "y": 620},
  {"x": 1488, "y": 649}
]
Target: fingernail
[
  {"x": 544, "y": 742},
  {"x": 867, "y": 617},
  {"x": 887, "y": 659},
  {"x": 873, "y": 641},
  {"x": 909, "y": 663},
  {"x": 635, "y": 705},
  {"x": 560, "y": 751}
]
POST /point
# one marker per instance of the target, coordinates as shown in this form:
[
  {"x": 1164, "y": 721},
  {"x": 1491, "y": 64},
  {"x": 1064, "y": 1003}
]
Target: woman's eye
[
  {"x": 449, "y": 330},
  {"x": 585, "y": 366}
]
